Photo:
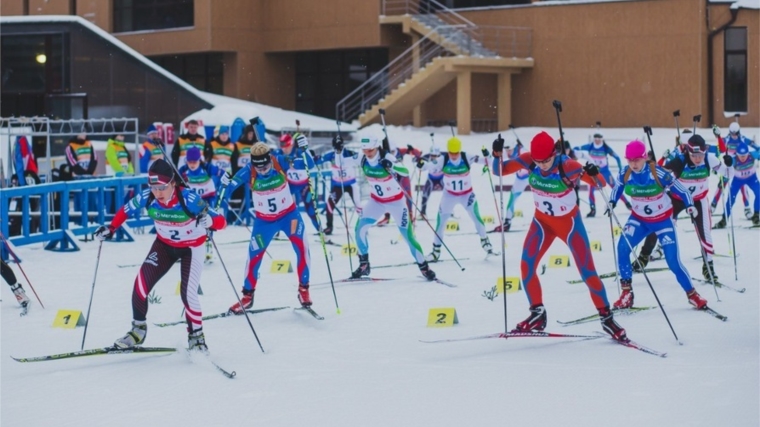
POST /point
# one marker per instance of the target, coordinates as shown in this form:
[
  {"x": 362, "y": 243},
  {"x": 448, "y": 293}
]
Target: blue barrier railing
[{"x": 75, "y": 208}]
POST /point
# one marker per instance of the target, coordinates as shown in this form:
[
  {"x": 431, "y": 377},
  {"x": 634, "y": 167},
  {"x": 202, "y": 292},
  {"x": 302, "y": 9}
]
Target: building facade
[{"x": 484, "y": 64}]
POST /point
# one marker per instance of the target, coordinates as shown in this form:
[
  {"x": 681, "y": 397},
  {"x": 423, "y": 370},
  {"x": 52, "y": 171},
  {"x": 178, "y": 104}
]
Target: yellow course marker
[
  {"x": 68, "y": 319},
  {"x": 441, "y": 317}
]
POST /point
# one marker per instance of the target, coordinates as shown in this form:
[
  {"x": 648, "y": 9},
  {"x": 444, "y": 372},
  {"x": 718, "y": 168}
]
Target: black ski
[
  {"x": 514, "y": 334},
  {"x": 720, "y": 285},
  {"x": 714, "y": 313},
  {"x": 96, "y": 352},
  {"x": 329, "y": 242},
  {"x": 207, "y": 357},
  {"x": 442, "y": 282},
  {"x": 618, "y": 311},
  {"x": 403, "y": 264},
  {"x": 613, "y": 274},
  {"x": 310, "y": 311},
  {"x": 218, "y": 315},
  {"x": 351, "y": 280}
]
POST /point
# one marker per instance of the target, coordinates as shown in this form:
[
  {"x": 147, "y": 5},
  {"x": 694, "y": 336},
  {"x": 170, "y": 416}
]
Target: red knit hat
[{"x": 542, "y": 146}]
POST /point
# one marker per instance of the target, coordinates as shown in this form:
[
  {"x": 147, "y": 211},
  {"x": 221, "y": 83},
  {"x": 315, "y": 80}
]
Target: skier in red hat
[{"x": 553, "y": 178}]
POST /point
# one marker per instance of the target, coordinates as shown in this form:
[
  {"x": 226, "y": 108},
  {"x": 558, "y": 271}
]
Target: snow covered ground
[{"x": 366, "y": 366}]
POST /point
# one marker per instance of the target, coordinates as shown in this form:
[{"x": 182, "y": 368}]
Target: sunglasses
[{"x": 159, "y": 187}]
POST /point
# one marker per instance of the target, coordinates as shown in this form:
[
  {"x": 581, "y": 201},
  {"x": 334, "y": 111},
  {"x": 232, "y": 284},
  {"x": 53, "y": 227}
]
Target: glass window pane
[{"x": 736, "y": 39}]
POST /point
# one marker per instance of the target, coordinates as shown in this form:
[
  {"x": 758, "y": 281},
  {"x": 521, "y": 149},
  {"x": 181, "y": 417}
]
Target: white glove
[
  {"x": 302, "y": 141},
  {"x": 205, "y": 221},
  {"x": 716, "y": 130},
  {"x": 103, "y": 233},
  {"x": 692, "y": 211},
  {"x": 225, "y": 179},
  {"x": 666, "y": 153}
]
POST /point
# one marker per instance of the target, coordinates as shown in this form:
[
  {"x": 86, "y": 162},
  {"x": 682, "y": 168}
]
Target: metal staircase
[{"x": 446, "y": 40}]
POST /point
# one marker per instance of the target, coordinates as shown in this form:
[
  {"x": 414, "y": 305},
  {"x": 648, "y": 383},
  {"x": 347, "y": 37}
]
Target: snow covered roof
[{"x": 225, "y": 110}]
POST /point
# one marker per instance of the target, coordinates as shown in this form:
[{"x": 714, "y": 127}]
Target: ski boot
[
  {"x": 641, "y": 262},
  {"x": 303, "y": 295},
  {"x": 20, "y": 294},
  {"x": 756, "y": 219},
  {"x": 244, "y": 304},
  {"x": 426, "y": 271},
  {"x": 363, "y": 269},
  {"x": 328, "y": 230},
  {"x": 435, "y": 255},
  {"x": 486, "y": 245},
  {"x": 536, "y": 322},
  {"x": 696, "y": 300},
  {"x": 386, "y": 219},
  {"x": 499, "y": 228},
  {"x": 626, "y": 297},
  {"x": 196, "y": 341},
  {"x": 611, "y": 326},
  {"x": 134, "y": 337},
  {"x": 748, "y": 212},
  {"x": 721, "y": 223},
  {"x": 657, "y": 254},
  {"x": 713, "y": 206},
  {"x": 592, "y": 212},
  {"x": 708, "y": 270}
]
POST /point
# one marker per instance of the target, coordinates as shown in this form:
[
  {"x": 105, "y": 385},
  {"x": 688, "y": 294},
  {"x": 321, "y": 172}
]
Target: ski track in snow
[{"x": 366, "y": 366}]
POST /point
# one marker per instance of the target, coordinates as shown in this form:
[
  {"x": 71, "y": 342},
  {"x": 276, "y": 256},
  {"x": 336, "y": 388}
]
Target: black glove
[
  {"x": 409, "y": 149},
  {"x": 498, "y": 146},
  {"x": 591, "y": 169},
  {"x": 484, "y": 151},
  {"x": 420, "y": 163},
  {"x": 728, "y": 160},
  {"x": 610, "y": 207},
  {"x": 386, "y": 164},
  {"x": 104, "y": 233}
]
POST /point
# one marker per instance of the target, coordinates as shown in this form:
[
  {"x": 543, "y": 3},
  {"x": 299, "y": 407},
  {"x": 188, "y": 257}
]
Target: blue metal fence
[{"x": 76, "y": 208}]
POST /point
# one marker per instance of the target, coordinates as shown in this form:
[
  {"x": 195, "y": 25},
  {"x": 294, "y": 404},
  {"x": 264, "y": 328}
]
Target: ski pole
[
  {"x": 237, "y": 296},
  {"x": 92, "y": 293},
  {"x": 558, "y": 109},
  {"x": 614, "y": 251},
  {"x": 499, "y": 209},
  {"x": 409, "y": 198},
  {"x": 321, "y": 234},
  {"x": 628, "y": 242},
  {"x": 733, "y": 239},
  {"x": 704, "y": 256},
  {"x": 451, "y": 125},
  {"x": 18, "y": 263},
  {"x": 677, "y": 114},
  {"x": 697, "y": 119},
  {"x": 344, "y": 217}
]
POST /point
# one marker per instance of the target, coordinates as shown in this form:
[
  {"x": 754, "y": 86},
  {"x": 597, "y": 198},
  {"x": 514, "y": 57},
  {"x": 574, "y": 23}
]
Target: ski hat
[
  {"x": 193, "y": 154},
  {"x": 224, "y": 129},
  {"x": 151, "y": 129},
  {"x": 742, "y": 148},
  {"x": 369, "y": 143},
  {"x": 598, "y": 135},
  {"x": 286, "y": 140},
  {"x": 542, "y": 146},
  {"x": 734, "y": 127},
  {"x": 260, "y": 155},
  {"x": 454, "y": 145},
  {"x": 160, "y": 172},
  {"x": 697, "y": 145},
  {"x": 635, "y": 150}
]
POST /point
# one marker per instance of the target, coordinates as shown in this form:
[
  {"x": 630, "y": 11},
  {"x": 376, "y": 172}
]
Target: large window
[
  {"x": 323, "y": 78},
  {"x": 33, "y": 66},
  {"x": 139, "y": 15},
  {"x": 735, "y": 69},
  {"x": 204, "y": 71}
]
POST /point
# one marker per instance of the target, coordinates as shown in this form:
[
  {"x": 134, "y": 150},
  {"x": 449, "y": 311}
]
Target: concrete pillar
[
  {"x": 504, "y": 100},
  {"x": 415, "y": 52},
  {"x": 464, "y": 102},
  {"x": 418, "y": 115}
]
